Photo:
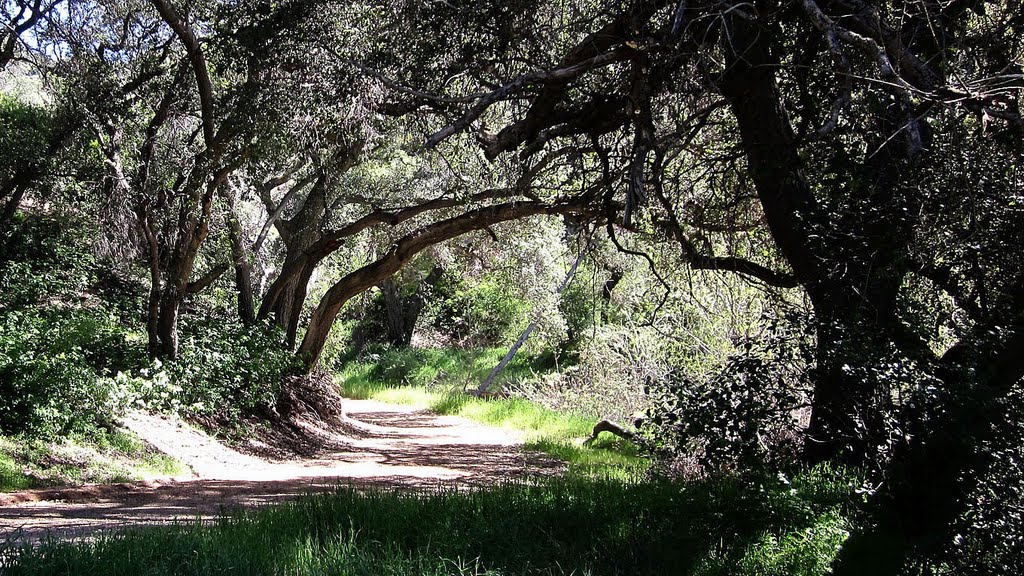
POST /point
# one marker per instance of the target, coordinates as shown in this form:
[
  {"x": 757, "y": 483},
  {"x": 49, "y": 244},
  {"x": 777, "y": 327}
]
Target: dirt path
[{"x": 376, "y": 445}]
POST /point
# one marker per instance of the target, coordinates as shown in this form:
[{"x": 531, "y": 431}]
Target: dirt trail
[{"x": 375, "y": 445}]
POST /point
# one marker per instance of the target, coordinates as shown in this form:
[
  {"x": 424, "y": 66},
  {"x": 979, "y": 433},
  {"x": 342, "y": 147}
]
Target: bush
[
  {"x": 475, "y": 315},
  {"x": 744, "y": 416},
  {"x": 43, "y": 261},
  {"x": 579, "y": 309},
  {"x": 59, "y": 345},
  {"x": 990, "y": 534},
  {"x": 608, "y": 378},
  {"x": 68, "y": 364},
  {"x": 55, "y": 370},
  {"x": 224, "y": 370}
]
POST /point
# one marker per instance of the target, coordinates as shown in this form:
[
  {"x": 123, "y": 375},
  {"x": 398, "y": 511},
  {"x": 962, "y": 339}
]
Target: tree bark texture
[
  {"x": 241, "y": 259},
  {"x": 606, "y": 292},
  {"x": 402, "y": 313},
  {"x": 852, "y": 279}
]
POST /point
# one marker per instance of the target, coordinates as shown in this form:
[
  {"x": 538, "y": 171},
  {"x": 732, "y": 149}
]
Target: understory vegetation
[{"x": 96, "y": 458}]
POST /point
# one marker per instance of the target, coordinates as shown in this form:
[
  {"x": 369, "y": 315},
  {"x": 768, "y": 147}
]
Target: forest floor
[{"x": 373, "y": 444}]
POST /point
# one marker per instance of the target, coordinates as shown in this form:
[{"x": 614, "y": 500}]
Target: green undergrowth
[
  {"x": 560, "y": 526},
  {"x": 443, "y": 367},
  {"x": 100, "y": 457},
  {"x": 556, "y": 433}
]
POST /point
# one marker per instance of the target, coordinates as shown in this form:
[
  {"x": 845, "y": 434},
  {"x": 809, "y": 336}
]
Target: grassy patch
[
  {"x": 436, "y": 367},
  {"x": 12, "y": 474},
  {"x": 593, "y": 527},
  {"x": 97, "y": 458},
  {"x": 438, "y": 387}
]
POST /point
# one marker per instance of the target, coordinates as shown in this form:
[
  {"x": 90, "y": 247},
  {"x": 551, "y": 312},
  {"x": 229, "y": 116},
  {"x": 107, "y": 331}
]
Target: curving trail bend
[{"x": 375, "y": 445}]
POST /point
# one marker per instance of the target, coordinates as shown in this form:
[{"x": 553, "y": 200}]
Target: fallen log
[{"x": 616, "y": 429}]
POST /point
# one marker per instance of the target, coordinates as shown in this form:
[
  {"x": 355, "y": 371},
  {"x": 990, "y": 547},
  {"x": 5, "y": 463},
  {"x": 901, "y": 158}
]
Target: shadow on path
[{"x": 376, "y": 446}]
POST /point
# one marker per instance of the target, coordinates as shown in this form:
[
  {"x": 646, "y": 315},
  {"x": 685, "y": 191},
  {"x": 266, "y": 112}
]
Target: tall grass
[
  {"x": 556, "y": 527},
  {"x": 434, "y": 380}
]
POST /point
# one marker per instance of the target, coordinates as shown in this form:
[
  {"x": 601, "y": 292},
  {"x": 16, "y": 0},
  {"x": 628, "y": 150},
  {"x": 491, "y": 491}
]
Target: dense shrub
[
  {"x": 24, "y": 131},
  {"x": 745, "y": 415},
  {"x": 44, "y": 261},
  {"x": 483, "y": 313},
  {"x": 990, "y": 534},
  {"x": 55, "y": 371},
  {"x": 71, "y": 356},
  {"x": 606, "y": 380},
  {"x": 60, "y": 346},
  {"x": 224, "y": 370},
  {"x": 578, "y": 307}
]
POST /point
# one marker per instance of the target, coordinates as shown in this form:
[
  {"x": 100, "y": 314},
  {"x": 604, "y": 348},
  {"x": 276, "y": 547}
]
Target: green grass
[
  {"x": 12, "y": 474},
  {"x": 101, "y": 457},
  {"x": 567, "y": 526},
  {"x": 555, "y": 433},
  {"x": 448, "y": 367}
]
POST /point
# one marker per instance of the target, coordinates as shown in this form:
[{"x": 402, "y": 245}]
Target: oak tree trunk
[{"x": 242, "y": 263}]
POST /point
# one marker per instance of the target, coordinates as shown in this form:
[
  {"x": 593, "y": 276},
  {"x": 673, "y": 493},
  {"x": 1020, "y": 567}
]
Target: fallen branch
[
  {"x": 485, "y": 386},
  {"x": 616, "y": 429}
]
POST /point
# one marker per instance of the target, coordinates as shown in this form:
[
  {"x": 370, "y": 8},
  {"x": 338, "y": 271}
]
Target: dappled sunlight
[{"x": 376, "y": 444}]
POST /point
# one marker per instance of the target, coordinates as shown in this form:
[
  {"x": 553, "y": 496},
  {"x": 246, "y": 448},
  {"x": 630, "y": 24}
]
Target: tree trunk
[
  {"x": 193, "y": 218},
  {"x": 303, "y": 262},
  {"x": 167, "y": 324},
  {"x": 852, "y": 279},
  {"x": 394, "y": 311},
  {"x": 242, "y": 263},
  {"x": 415, "y": 303},
  {"x": 287, "y": 294},
  {"x": 153, "y": 320},
  {"x": 12, "y": 204},
  {"x": 606, "y": 292},
  {"x": 243, "y": 283},
  {"x": 403, "y": 313},
  {"x": 849, "y": 399}
]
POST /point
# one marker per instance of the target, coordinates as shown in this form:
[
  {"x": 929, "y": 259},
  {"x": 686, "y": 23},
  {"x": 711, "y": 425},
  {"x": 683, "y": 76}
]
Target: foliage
[
  {"x": 578, "y": 307},
  {"x": 45, "y": 260},
  {"x": 440, "y": 368},
  {"x": 478, "y": 314},
  {"x": 225, "y": 371},
  {"x": 743, "y": 417},
  {"x": 69, "y": 364},
  {"x": 24, "y": 132},
  {"x": 608, "y": 377},
  {"x": 990, "y": 534},
  {"x": 725, "y": 526},
  {"x": 867, "y": 162},
  {"x": 55, "y": 372},
  {"x": 60, "y": 347}
]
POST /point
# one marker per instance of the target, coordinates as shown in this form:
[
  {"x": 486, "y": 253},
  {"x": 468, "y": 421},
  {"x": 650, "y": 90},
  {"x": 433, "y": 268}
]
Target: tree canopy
[{"x": 858, "y": 162}]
